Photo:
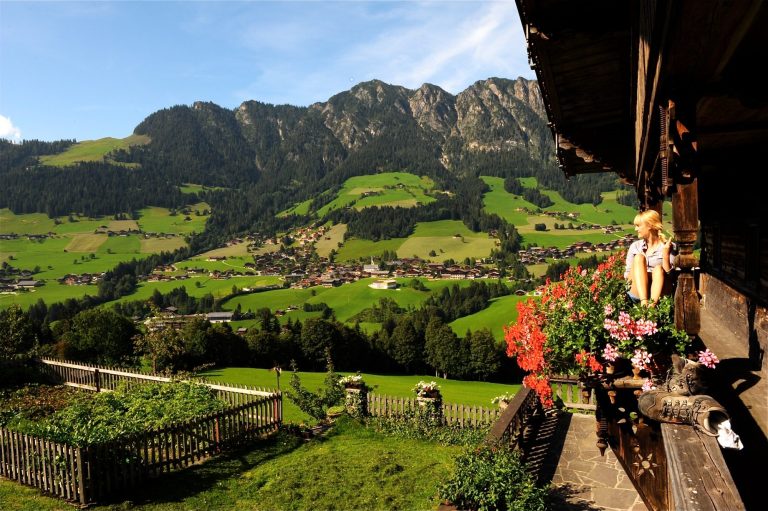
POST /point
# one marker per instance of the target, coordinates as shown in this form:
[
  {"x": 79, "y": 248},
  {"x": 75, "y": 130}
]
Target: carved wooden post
[{"x": 685, "y": 218}]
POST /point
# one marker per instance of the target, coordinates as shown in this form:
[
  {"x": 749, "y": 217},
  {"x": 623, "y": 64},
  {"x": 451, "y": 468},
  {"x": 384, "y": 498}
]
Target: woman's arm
[{"x": 666, "y": 259}]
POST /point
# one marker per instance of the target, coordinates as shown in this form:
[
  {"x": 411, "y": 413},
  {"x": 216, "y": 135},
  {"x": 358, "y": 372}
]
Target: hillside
[{"x": 262, "y": 167}]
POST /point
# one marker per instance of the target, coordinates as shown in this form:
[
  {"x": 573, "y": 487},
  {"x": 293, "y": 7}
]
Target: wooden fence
[
  {"x": 89, "y": 474},
  {"x": 100, "y": 379},
  {"x": 463, "y": 415}
]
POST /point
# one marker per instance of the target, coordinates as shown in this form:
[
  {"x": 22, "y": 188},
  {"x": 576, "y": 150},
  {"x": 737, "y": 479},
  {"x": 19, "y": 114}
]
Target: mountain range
[{"x": 260, "y": 158}]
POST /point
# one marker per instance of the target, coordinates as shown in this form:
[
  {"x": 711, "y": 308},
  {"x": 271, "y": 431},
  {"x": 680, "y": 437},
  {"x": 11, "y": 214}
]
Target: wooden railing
[
  {"x": 574, "y": 395},
  {"x": 462, "y": 415},
  {"x": 515, "y": 419},
  {"x": 672, "y": 466}
]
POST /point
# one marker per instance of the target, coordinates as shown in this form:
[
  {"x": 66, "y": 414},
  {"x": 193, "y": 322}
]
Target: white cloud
[
  {"x": 451, "y": 48},
  {"x": 8, "y": 130}
]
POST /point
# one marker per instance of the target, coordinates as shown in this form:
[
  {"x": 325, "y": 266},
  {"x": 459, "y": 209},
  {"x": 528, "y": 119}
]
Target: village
[{"x": 300, "y": 266}]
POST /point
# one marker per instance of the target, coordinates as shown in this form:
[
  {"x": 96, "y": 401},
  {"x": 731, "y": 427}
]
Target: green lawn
[
  {"x": 232, "y": 262},
  {"x": 472, "y": 393},
  {"x": 52, "y": 252},
  {"x": 157, "y": 245},
  {"x": 31, "y": 223},
  {"x": 195, "y": 188},
  {"x": 301, "y": 208},
  {"x": 351, "y": 467},
  {"x": 449, "y": 239},
  {"x": 564, "y": 238}
]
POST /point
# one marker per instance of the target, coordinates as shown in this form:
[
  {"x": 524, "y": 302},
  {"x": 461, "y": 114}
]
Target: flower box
[{"x": 586, "y": 325}]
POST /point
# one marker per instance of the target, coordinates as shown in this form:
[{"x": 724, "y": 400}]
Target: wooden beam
[{"x": 698, "y": 478}]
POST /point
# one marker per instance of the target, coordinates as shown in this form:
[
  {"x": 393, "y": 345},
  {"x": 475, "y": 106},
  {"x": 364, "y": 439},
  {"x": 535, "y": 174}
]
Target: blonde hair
[{"x": 652, "y": 219}]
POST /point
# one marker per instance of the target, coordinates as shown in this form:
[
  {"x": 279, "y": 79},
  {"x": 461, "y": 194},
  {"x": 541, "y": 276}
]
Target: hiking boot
[
  {"x": 686, "y": 377},
  {"x": 701, "y": 412}
]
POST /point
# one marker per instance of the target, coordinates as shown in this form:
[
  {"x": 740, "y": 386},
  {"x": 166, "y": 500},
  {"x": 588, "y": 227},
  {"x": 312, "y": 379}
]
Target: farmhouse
[
  {"x": 384, "y": 284},
  {"x": 219, "y": 317},
  {"x": 664, "y": 95},
  {"x": 28, "y": 284}
]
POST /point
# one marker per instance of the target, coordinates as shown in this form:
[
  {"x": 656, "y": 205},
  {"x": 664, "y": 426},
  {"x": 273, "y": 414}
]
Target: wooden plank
[
  {"x": 83, "y": 497},
  {"x": 70, "y": 479},
  {"x": 699, "y": 479},
  {"x": 55, "y": 469}
]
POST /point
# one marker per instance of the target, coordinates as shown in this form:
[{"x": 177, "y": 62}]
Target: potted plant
[
  {"x": 426, "y": 390},
  {"x": 502, "y": 400},
  {"x": 352, "y": 381},
  {"x": 355, "y": 395},
  {"x": 585, "y": 323}
]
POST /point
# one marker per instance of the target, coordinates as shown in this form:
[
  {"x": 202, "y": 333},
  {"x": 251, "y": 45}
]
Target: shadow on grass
[{"x": 196, "y": 479}]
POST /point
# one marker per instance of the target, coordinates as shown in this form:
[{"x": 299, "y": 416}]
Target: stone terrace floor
[{"x": 564, "y": 452}]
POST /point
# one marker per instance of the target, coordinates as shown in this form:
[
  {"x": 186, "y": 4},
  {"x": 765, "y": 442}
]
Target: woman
[{"x": 649, "y": 260}]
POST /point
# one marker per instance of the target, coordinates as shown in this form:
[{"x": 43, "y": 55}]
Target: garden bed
[
  {"x": 88, "y": 447},
  {"x": 81, "y": 418}
]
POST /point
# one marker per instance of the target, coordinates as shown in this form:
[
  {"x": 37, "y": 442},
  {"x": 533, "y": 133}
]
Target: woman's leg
[
  {"x": 640, "y": 278},
  {"x": 658, "y": 279}
]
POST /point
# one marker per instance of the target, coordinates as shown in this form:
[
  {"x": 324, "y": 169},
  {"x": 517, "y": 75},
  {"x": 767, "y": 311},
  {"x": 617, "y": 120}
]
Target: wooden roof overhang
[
  {"x": 581, "y": 54},
  {"x": 610, "y": 71}
]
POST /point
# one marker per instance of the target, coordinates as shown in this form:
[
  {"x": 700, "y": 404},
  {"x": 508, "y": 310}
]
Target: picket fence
[
  {"x": 89, "y": 474},
  {"x": 462, "y": 415}
]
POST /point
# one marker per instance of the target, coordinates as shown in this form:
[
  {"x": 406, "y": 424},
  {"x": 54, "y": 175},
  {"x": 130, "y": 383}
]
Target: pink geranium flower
[{"x": 708, "y": 359}]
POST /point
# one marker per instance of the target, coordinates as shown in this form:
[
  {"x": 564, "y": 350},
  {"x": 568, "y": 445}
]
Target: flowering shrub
[
  {"x": 585, "y": 321},
  {"x": 424, "y": 389}
]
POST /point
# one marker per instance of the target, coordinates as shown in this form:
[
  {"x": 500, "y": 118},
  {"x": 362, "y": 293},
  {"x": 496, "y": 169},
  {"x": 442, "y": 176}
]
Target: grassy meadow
[
  {"x": 450, "y": 239},
  {"x": 346, "y": 300},
  {"x": 93, "y": 150},
  {"x": 156, "y": 219},
  {"x": 355, "y": 249},
  {"x": 388, "y": 188},
  {"x": 501, "y": 312},
  {"x": 473, "y": 393},
  {"x": 73, "y": 247},
  {"x": 331, "y": 240},
  {"x": 301, "y": 208},
  {"x": 351, "y": 467},
  {"x": 197, "y": 287}
]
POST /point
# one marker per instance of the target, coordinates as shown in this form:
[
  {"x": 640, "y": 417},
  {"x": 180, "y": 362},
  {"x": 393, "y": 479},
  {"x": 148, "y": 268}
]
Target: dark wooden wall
[{"x": 733, "y": 217}]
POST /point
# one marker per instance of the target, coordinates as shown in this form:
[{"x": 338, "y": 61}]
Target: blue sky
[{"x": 88, "y": 70}]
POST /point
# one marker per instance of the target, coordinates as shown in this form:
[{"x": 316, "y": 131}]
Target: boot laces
[{"x": 682, "y": 410}]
